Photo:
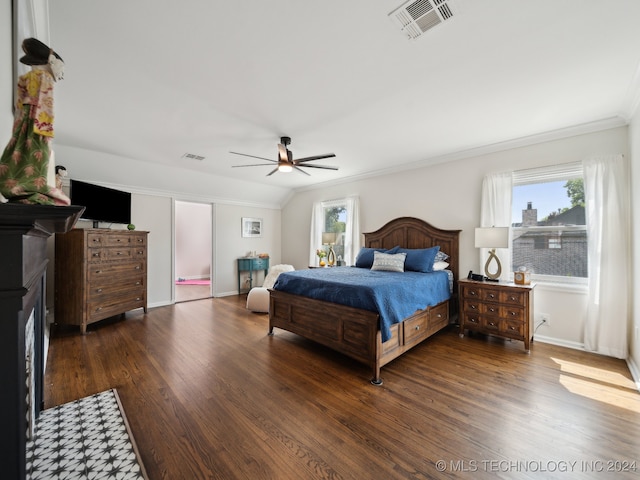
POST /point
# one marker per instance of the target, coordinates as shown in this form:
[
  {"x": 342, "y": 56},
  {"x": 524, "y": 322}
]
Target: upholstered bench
[{"x": 258, "y": 297}]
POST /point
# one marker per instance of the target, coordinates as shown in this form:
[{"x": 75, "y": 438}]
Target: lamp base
[{"x": 493, "y": 277}]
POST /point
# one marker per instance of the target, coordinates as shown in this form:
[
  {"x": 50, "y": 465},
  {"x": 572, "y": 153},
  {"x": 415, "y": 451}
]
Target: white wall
[
  {"x": 193, "y": 240},
  {"x": 6, "y": 75},
  {"x": 448, "y": 196},
  {"x": 230, "y": 245},
  {"x": 634, "y": 147}
]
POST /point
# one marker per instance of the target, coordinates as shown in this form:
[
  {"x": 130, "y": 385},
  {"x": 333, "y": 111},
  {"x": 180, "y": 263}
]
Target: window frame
[{"x": 562, "y": 172}]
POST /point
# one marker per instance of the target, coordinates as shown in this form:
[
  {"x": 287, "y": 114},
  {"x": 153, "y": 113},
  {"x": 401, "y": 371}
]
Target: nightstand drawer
[
  {"x": 513, "y": 328},
  {"x": 261, "y": 263},
  {"x": 470, "y": 319},
  {"x": 490, "y": 295},
  {"x": 512, "y": 298},
  {"x": 512, "y": 313},
  {"x": 491, "y": 323}
]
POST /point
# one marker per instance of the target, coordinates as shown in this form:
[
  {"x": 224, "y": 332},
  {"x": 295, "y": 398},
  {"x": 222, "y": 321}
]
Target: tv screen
[{"x": 101, "y": 204}]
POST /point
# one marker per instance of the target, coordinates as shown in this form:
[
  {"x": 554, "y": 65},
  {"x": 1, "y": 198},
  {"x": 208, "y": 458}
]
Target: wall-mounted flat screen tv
[{"x": 102, "y": 204}]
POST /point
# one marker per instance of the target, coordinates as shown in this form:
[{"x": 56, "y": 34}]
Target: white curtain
[
  {"x": 495, "y": 211},
  {"x": 606, "y": 203},
  {"x": 351, "y": 238}
]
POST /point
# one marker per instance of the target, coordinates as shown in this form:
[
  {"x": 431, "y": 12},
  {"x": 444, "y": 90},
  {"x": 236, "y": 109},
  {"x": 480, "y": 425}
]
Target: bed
[{"x": 356, "y": 332}]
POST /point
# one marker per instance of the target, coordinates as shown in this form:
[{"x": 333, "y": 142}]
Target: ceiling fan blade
[
  {"x": 301, "y": 171},
  {"x": 253, "y": 165},
  {"x": 324, "y": 167},
  {"x": 272, "y": 171},
  {"x": 315, "y": 157},
  {"x": 253, "y": 156}
]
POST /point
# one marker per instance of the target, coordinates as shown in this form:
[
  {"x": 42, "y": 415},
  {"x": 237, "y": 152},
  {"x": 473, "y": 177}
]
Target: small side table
[{"x": 249, "y": 264}]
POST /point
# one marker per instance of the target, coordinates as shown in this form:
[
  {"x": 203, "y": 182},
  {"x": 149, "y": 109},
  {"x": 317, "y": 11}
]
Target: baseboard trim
[{"x": 558, "y": 342}]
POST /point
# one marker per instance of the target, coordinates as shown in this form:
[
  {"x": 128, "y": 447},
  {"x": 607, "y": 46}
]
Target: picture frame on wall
[{"x": 251, "y": 227}]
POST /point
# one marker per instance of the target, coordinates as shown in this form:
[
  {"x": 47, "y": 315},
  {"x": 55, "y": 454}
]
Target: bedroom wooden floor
[{"x": 209, "y": 395}]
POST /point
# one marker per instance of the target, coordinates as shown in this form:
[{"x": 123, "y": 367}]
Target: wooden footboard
[{"x": 351, "y": 331}]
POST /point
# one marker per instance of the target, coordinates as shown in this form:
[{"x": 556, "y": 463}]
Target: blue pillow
[
  {"x": 365, "y": 256},
  {"x": 419, "y": 259}
]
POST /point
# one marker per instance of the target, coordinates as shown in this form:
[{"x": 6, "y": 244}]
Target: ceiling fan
[{"x": 285, "y": 161}]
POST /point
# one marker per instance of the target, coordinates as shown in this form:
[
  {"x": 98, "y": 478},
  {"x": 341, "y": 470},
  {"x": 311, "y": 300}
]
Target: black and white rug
[{"x": 84, "y": 439}]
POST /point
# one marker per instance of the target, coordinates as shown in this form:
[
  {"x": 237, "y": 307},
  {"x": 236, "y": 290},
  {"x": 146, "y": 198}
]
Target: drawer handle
[
  {"x": 417, "y": 327},
  {"x": 492, "y": 310},
  {"x": 119, "y": 253},
  {"x": 138, "y": 298},
  {"x": 99, "y": 290},
  {"x": 137, "y": 283},
  {"x": 473, "y": 307},
  {"x": 472, "y": 293},
  {"x": 98, "y": 271},
  {"x": 137, "y": 267},
  {"x": 439, "y": 315},
  {"x": 96, "y": 254},
  {"x": 492, "y": 324},
  {"x": 511, "y": 327},
  {"x": 513, "y": 314},
  {"x": 98, "y": 309},
  {"x": 491, "y": 295},
  {"x": 513, "y": 299}
]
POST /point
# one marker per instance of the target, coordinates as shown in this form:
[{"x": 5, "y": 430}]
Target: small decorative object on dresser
[
  {"x": 99, "y": 273},
  {"x": 501, "y": 309}
]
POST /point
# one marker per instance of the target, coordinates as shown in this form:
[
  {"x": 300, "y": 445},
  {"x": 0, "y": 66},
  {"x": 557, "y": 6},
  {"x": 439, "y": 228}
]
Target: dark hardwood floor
[{"x": 209, "y": 395}]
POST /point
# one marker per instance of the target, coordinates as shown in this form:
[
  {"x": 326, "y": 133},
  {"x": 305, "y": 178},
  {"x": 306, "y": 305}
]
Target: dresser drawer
[
  {"x": 470, "y": 292},
  {"x": 114, "y": 272},
  {"x": 491, "y": 324},
  {"x": 128, "y": 286},
  {"x": 470, "y": 319},
  {"x": 115, "y": 240},
  {"x": 114, "y": 305}
]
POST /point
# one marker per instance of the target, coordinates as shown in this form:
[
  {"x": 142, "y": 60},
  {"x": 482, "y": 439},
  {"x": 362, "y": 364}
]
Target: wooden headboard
[{"x": 409, "y": 232}]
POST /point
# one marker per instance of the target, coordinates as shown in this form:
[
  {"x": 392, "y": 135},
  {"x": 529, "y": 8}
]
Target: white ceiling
[{"x": 151, "y": 80}]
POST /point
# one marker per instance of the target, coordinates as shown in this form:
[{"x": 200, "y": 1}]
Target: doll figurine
[{"x": 24, "y": 165}]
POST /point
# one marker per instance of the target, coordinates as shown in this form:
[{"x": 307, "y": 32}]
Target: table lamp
[
  {"x": 329, "y": 238},
  {"x": 492, "y": 237}
]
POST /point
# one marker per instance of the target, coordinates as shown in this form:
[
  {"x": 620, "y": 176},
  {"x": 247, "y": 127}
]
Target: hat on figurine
[{"x": 36, "y": 52}]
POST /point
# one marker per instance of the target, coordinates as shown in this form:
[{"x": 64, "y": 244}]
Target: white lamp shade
[
  {"x": 328, "y": 238},
  {"x": 492, "y": 237}
]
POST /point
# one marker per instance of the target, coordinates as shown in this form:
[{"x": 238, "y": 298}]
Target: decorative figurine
[{"x": 24, "y": 165}]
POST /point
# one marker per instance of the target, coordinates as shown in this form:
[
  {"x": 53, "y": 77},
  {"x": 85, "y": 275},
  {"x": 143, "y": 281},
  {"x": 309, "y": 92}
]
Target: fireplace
[{"x": 24, "y": 230}]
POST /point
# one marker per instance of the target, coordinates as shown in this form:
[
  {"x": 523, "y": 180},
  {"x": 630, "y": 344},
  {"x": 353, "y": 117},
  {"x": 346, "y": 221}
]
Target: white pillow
[
  {"x": 388, "y": 262},
  {"x": 440, "y": 266}
]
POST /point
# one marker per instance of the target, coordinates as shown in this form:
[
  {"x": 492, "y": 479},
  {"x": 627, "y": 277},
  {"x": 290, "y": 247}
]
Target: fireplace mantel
[{"x": 24, "y": 230}]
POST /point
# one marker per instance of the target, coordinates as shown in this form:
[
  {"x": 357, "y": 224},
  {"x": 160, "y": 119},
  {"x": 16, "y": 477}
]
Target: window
[
  {"x": 339, "y": 217},
  {"x": 549, "y": 231}
]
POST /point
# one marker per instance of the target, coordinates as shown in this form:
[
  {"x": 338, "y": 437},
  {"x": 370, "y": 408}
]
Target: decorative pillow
[
  {"x": 390, "y": 262},
  {"x": 441, "y": 257},
  {"x": 365, "y": 256},
  {"x": 420, "y": 259},
  {"x": 440, "y": 266}
]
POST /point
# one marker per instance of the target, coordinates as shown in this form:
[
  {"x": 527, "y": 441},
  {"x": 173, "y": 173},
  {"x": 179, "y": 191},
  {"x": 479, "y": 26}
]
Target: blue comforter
[{"x": 393, "y": 295}]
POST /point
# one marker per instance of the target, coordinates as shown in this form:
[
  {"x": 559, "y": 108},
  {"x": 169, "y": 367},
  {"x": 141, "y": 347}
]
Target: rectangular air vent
[
  {"x": 192, "y": 156},
  {"x": 415, "y": 17}
]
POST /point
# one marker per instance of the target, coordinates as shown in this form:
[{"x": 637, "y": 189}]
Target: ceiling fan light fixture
[{"x": 285, "y": 168}]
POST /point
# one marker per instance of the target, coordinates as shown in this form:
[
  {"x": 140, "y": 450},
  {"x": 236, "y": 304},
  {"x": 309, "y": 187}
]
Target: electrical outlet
[{"x": 545, "y": 318}]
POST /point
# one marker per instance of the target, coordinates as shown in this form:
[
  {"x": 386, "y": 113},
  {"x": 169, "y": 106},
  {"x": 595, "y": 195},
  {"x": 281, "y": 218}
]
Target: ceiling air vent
[
  {"x": 193, "y": 157},
  {"x": 415, "y": 17}
]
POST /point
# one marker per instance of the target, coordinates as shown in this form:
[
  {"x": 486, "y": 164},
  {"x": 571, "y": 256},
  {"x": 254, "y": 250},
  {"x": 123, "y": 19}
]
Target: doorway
[{"x": 193, "y": 251}]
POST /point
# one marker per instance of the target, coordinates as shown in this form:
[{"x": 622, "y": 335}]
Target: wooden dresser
[
  {"x": 501, "y": 309},
  {"x": 99, "y": 273}
]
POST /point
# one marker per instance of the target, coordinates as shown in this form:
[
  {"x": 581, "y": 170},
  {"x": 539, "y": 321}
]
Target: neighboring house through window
[{"x": 549, "y": 231}]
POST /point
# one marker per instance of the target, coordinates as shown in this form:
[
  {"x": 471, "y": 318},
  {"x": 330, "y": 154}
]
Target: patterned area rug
[{"x": 84, "y": 439}]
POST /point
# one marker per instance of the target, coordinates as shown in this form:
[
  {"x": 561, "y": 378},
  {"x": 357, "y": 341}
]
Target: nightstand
[{"x": 497, "y": 308}]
